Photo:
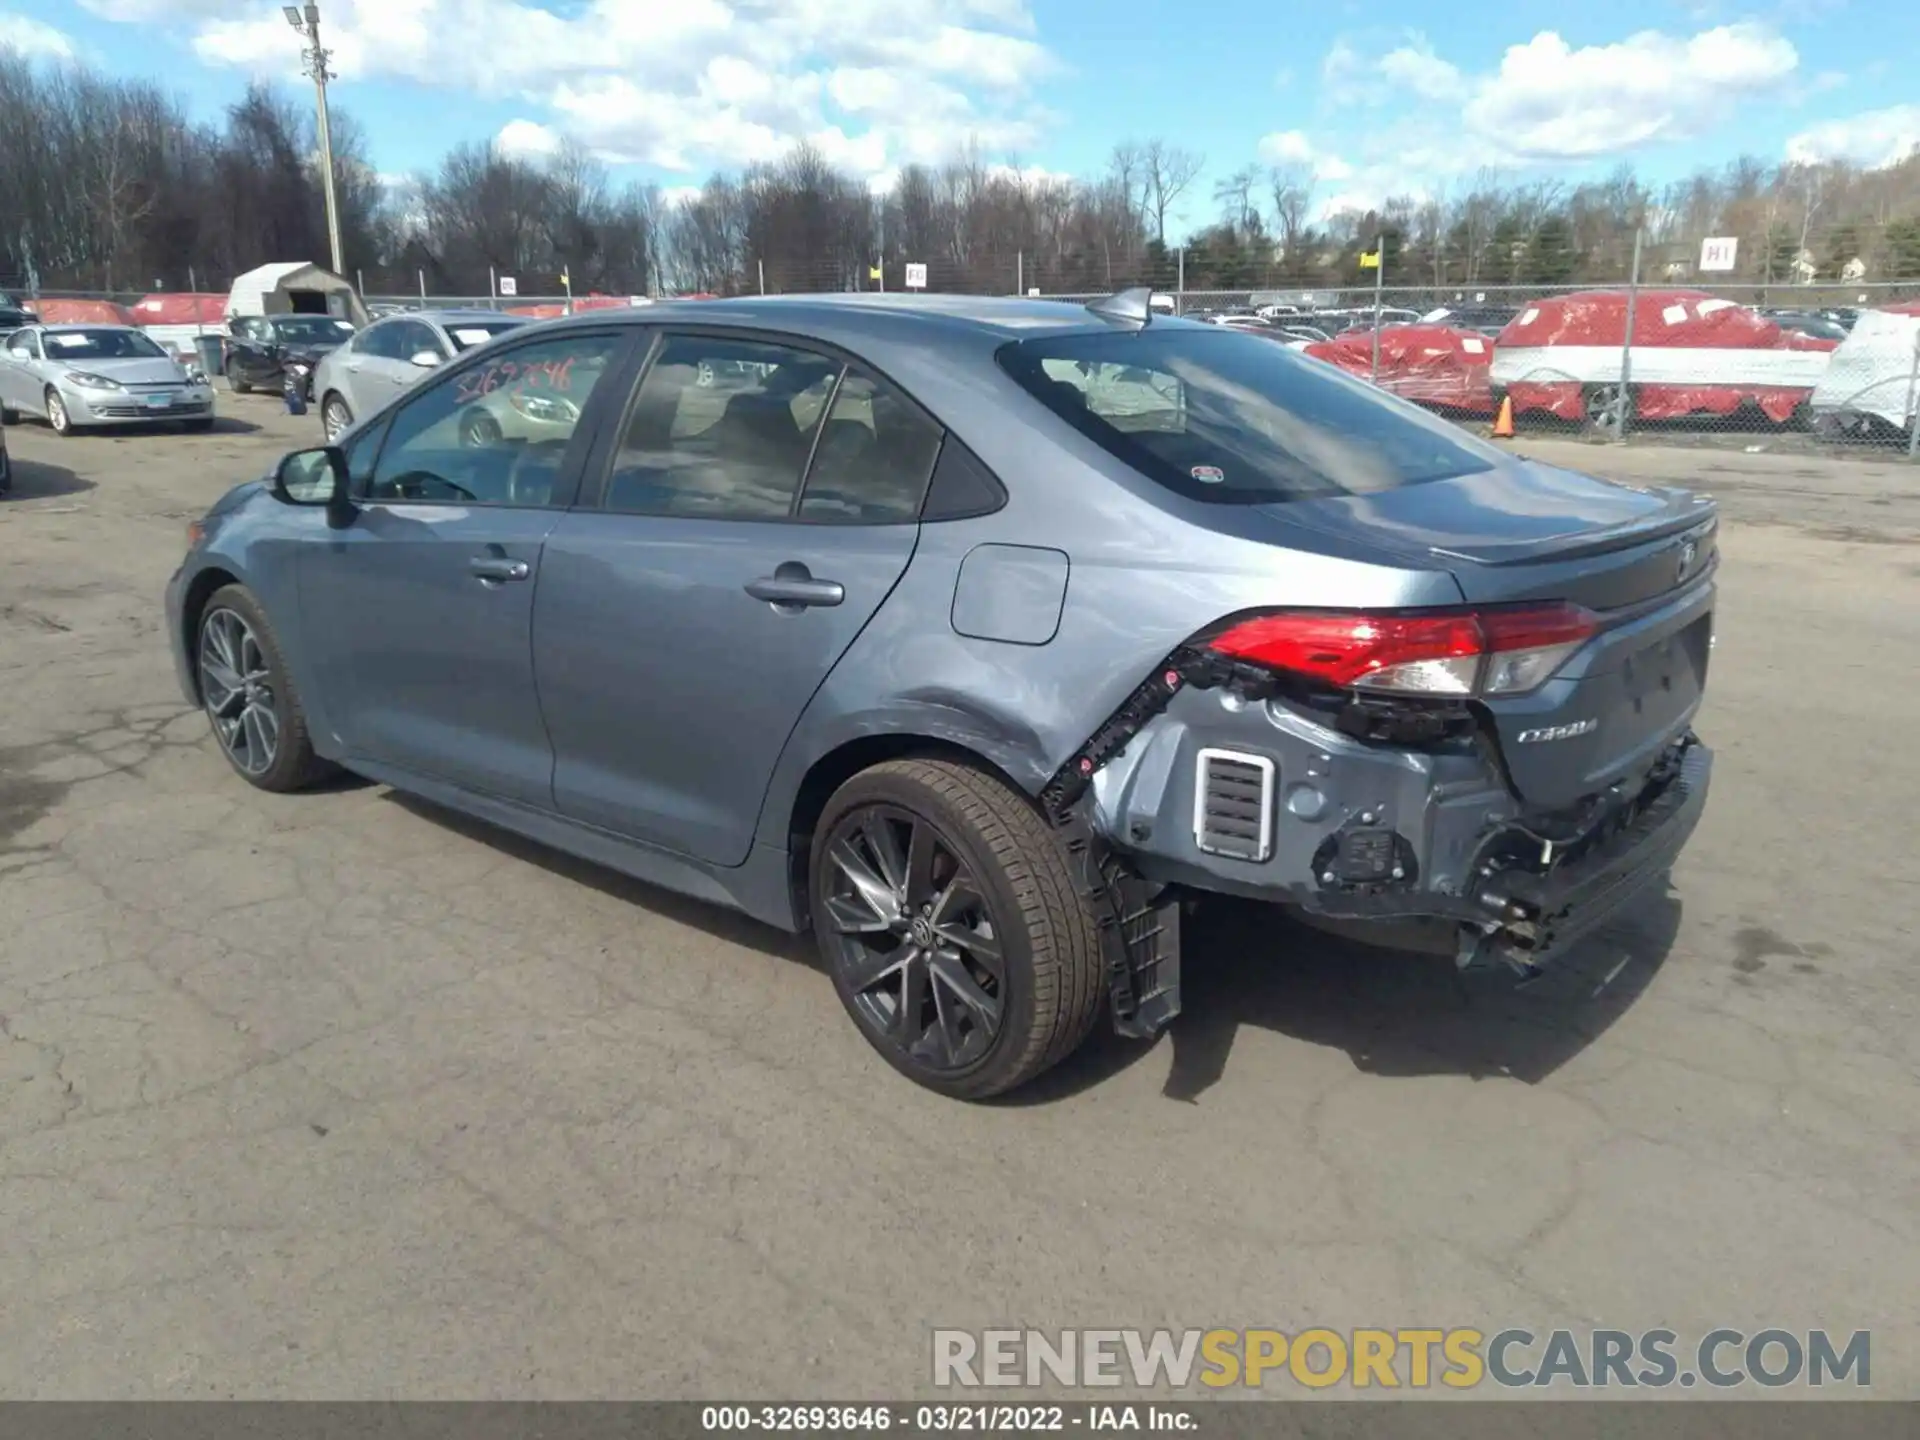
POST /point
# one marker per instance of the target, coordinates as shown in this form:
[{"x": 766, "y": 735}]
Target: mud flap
[{"x": 1139, "y": 933}]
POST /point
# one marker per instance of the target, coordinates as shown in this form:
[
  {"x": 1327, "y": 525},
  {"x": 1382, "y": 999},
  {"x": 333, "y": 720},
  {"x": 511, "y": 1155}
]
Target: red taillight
[{"x": 1451, "y": 652}]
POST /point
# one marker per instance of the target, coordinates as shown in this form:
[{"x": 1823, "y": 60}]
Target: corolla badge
[
  {"x": 1556, "y": 732},
  {"x": 1688, "y": 552}
]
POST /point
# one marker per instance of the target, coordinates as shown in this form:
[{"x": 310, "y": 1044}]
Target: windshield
[
  {"x": 100, "y": 345},
  {"x": 311, "y": 329},
  {"x": 1229, "y": 417},
  {"x": 465, "y": 334}
]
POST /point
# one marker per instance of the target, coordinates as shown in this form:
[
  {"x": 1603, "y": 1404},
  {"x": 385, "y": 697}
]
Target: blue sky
[{"x": 1369, "y": 99}]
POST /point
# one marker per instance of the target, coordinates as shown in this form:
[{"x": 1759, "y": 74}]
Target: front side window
[
  {"x": 495, "y": 433},
  {"x": 416, "y": 337},
  {"x": 1233, "y": 418},
  {"x": 361, "y": 452},
  {"x": 721, "y": 428},
  {"x": 102, "y": 345},
  {"x": 874, "y": 458},
  {"x": 379, "y": 342},
  {"x": 26, "y": 344}
]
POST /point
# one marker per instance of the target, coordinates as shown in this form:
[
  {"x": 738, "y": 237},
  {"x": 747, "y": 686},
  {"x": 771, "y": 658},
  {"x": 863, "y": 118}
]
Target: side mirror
[
  {"x": 426, "y": 359},
  {"x": 314, "y": 478}
]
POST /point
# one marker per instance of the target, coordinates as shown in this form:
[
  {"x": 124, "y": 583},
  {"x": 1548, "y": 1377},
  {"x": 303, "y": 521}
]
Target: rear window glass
[
  {"x": 468, "y": 333},
  {"x": 1238, "y": 419}
]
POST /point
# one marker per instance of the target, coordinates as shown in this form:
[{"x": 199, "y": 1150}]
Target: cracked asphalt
[{"x": 335, "y": 1095}]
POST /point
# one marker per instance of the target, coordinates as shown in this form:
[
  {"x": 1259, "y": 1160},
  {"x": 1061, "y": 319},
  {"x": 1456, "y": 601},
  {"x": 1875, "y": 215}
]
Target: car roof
[
  {"x": 444, "y": 317},
  {"x": 900, "y": 334},
  {"x": 85, "y": 325}
]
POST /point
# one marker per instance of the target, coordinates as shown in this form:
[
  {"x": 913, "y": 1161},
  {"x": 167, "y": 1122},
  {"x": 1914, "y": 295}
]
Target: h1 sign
[{"x": 1718, "y": 252}]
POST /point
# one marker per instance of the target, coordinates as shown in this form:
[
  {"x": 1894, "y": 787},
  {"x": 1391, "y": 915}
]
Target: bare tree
[
  {"x": 1292, "y": 188},
  {"x": 1234, "y": 195},
  {"x": 1168, "y": 171}
]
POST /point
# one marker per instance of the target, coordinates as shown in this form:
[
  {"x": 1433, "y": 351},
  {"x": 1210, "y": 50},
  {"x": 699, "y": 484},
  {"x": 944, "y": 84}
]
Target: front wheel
[
  {"x": 946, "y": 911},
  {"x": 479, "y": 430},
  {"x": 237, "y": 385},
  {"x": 57, "y": 415},
  {"x": 249, "y": 696},
  {"x": 335, "y": 417}
]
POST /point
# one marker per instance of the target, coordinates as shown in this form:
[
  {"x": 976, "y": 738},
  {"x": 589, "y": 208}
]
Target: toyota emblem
[{"x": 1687, "y": 552}]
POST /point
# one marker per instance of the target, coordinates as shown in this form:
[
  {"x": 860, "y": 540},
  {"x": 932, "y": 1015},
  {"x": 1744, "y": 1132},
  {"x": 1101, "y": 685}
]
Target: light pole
[{"x": 306, "y": 23}]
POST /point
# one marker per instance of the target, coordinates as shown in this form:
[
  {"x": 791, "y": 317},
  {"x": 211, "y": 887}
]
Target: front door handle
[
  {"x": 793, "y": 585},
  {"x": 495, "y": 568}
]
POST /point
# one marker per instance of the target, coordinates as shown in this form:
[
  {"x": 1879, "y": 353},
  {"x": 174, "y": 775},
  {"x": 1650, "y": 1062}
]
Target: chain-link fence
[{"x": 1828, "y": 367}]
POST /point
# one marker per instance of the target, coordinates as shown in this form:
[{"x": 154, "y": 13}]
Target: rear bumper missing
[
  {"x": 1528, "y": 917},
  {"x": 1422, "y": 847}
]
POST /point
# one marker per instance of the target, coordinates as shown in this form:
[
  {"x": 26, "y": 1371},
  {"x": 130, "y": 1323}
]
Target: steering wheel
[{"x": 413, "y": 485}]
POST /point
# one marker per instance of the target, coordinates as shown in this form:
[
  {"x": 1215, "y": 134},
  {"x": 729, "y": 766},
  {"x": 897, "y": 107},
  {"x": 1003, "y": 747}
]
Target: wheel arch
[
  {"x": 193, "y": 605},
  {"x": 839, "y": 765}
]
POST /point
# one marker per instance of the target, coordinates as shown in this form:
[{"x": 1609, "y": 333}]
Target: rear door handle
[
  {"x": 497, "y": 569},
  {"x": 792, "y": 585}
]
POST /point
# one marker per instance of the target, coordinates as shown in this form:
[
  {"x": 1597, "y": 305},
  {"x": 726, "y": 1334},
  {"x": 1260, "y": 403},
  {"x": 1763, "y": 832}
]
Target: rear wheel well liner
[{"x": 839, "y": 765}]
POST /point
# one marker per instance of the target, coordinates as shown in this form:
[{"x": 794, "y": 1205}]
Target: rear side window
[
  {"x": 1237, "y": 419},
  {"x": 721, "y": 429},
  {"x": 873, "y": 458}
]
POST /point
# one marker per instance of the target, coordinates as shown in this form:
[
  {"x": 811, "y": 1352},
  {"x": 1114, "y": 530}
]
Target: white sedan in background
[
  {"x": 362, "y": 375},
  {"x": 79, "y": 376}
]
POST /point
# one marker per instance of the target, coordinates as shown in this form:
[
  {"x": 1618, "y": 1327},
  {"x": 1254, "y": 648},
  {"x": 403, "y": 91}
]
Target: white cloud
[
  {"x": 1552, "y": 101},
  {"x": 682, "y": 84},
  {"x": 1876, "y": 138},
  {"x": 527, "y": 138},
  {"x": 1292, "y": 147},
  {"x": 1418, "y": 69},
  {"x": 34, "y": 38}
]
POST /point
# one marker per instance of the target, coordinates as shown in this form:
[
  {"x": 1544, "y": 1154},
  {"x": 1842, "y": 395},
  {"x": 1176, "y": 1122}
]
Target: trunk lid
[{"x": 1643, "y": 559}]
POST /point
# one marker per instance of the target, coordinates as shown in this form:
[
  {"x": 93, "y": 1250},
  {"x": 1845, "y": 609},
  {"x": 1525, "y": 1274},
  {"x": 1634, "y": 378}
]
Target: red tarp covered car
[
  {"x": 1693, "y": 353},
  {"x": 181, "y": 307},
  {"x": 83, "y": 312},
  {"x": 580, "y": 303},
  {"x": 1436, "y": 365}
]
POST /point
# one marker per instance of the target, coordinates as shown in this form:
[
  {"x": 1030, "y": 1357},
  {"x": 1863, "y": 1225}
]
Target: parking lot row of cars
[{"x": 1592, "y": 358}]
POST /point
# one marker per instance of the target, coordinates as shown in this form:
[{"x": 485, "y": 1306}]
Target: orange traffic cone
[{"x": 1503, "y": 422}]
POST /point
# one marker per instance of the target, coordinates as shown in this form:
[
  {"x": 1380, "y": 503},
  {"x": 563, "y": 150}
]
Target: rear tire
[
  {"x": 237, "y": 385},
  {"x": 9, "y": 417},
  {"x": 972, "y": 965},
  {"x": 1597, "y": 403},
  {"x": 238, "y": 665}
]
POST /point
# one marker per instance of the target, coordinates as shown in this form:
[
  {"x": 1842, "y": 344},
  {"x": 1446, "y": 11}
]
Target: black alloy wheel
[
  {"x": 918, "y": 950},
  {"x": 948, "y": 917},
  {"x": 249, "y": 697}
]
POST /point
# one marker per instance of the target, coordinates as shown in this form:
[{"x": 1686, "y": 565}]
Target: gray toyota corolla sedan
[{"x": 978, "y": 636}]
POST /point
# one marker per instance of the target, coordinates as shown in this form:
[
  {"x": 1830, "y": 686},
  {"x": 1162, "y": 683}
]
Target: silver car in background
[
  {"x": 79, "y": 376},
  {"x": 390, "y": 354}
]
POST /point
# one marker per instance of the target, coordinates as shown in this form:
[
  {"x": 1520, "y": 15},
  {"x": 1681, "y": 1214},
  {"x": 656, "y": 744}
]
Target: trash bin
[{"x": 213, "y": 354}]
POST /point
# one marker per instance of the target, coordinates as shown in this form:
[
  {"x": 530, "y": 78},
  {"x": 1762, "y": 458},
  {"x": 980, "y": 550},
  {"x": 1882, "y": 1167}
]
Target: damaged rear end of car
[{"x": 1493, "y": 777}]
